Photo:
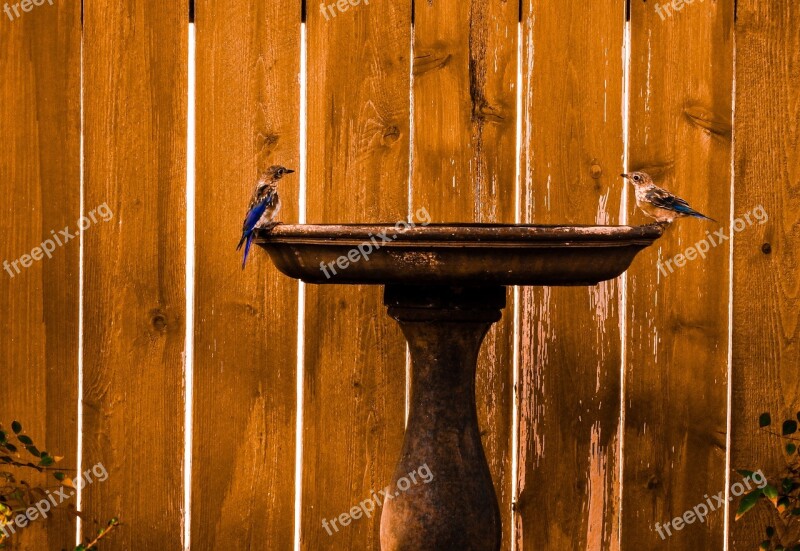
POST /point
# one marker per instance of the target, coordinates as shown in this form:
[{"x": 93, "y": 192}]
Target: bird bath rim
[
  {"x": 459, "y": 234},
  {"x": 456, "y": 254}
]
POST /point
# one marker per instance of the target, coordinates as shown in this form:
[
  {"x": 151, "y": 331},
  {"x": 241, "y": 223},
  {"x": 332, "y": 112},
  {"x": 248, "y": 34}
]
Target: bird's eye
[{"x": 636, "y": 178}]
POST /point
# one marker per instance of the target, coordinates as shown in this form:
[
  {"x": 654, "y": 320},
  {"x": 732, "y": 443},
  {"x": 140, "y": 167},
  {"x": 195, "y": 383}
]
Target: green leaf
[
  {"x": 787, "y": 485},
  {"x": 772, "y": 493},
  {"x": 81, "y": 547},
  {"x": 764, "y": 420},
  {"x": 783, "y": 504},
  {"x": 791, "y": 448},
  {"x": 10, "y": 447},
  {"x": 770, "y": 531},
  {"x": 745, "y": 474},
  {"x": 766, "y": 544},
  {"x": 16, "y": 426},
  {"x": 46, "y": 461},
  {"x": 796, "y": 512},
  {"x": 748, "y": 502},
  {"x": 789, "y": 427},
  {"x": 59, "y": 476},
  {"x": 2, "y": 437},
  {"x": 25, "y": 440}
]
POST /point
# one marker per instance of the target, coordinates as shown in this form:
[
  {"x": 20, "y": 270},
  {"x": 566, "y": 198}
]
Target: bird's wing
[
  {"x": 253, "y": 216},
  {"x": 257, "y": 209},
  {"x": 663, "y": 199}
]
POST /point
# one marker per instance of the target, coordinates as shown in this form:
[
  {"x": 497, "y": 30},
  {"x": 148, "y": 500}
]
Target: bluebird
[
  {"x": 658, "y": 203},
  {"x": 263, "y": 207}
]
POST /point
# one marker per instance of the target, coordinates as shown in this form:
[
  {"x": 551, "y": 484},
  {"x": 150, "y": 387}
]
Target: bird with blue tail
[
  {"x": 263, "y": 207},
  {"x": 659, "y": 203}
]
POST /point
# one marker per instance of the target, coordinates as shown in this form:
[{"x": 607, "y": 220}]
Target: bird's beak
[
  {"x": 624, "y": 176},
  {"x": 289, "y": 171}
]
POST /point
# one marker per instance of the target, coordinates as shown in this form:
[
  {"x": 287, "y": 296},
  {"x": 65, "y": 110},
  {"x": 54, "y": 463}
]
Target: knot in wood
[{"x": 158, "y": 320}]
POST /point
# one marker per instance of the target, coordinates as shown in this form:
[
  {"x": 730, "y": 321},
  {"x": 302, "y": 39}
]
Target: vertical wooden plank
[
  {"x": 464, "y": 164},
  {"x": 248, "y": 94},
  {"x": 766, "y": 262},
  {"x": 358, "y": 148},
  {"x": 134, "y": 325},
  {"x": 40, "y": 183},
  {"x": 677, "y": 336},
  {"x": 569, "y": 376}
]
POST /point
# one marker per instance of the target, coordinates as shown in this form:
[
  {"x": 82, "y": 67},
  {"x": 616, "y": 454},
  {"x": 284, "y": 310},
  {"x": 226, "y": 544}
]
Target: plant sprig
[
  {"x": 10, "y": 444},
  {"x": 784, "y": 491},
  {"x": 19, "y": 453},
  {"x": 102, "y": 533}
]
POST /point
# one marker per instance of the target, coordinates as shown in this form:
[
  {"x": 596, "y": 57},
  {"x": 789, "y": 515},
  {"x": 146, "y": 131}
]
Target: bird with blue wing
[
  {"x": 263, "y": 208},
  {"x": 659, "y": 203}
]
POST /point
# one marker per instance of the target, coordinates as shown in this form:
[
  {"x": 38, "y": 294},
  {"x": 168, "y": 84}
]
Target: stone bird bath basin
[{"x": 445, "y": 285}]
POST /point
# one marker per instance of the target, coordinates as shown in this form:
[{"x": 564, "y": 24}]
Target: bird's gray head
[
  {"x": 273, "y": 174},
  {"x": 638, "y": 178}
]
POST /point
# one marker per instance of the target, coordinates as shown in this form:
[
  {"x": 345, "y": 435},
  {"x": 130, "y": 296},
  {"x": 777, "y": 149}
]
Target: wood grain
[
  {"x": 40, "y": 187},
  {"x": 358, "y": 150},
  {"x": 677, "y": 320},
  {"x": 569, "y": 395},
  {"x": 766, "y": 258},
  {"x": 465, "y": 65},
  {"x": 462, "y": 170},
  {"x": 248, "y": 95},
  {"x": 134, "y": 326}
]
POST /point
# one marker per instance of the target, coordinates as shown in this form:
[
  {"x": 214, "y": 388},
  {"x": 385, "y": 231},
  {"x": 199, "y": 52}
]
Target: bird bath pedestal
[{"x": 445, "y": 285}]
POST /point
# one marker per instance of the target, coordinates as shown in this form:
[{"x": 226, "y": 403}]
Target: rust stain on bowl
[{"x": 413, "y": 258}]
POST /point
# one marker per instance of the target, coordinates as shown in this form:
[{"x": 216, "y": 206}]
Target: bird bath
[{"x": 445, "y": 285}]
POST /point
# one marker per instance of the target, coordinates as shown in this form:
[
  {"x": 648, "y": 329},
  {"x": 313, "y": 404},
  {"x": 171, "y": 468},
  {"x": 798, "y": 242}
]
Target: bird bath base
[
  {"x": 446, "y": 285},
  {"x": 444, "y": 327}
]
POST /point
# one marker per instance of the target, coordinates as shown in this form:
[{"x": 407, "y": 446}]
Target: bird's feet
[{"x": 271, "y": 226}]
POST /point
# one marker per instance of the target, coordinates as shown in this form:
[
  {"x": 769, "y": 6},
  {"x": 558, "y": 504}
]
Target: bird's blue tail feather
[
  {"x": 247, "y": 248},
  {"x": 703, "y": 216}
]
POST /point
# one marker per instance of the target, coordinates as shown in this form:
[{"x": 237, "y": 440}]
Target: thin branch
[
  {"x": 103, "y": 533},
  {"x": 779, "y": 435}
]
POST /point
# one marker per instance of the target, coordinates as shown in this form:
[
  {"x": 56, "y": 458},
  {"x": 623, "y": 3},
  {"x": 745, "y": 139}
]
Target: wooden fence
[{"x": 634, "y": 399}]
